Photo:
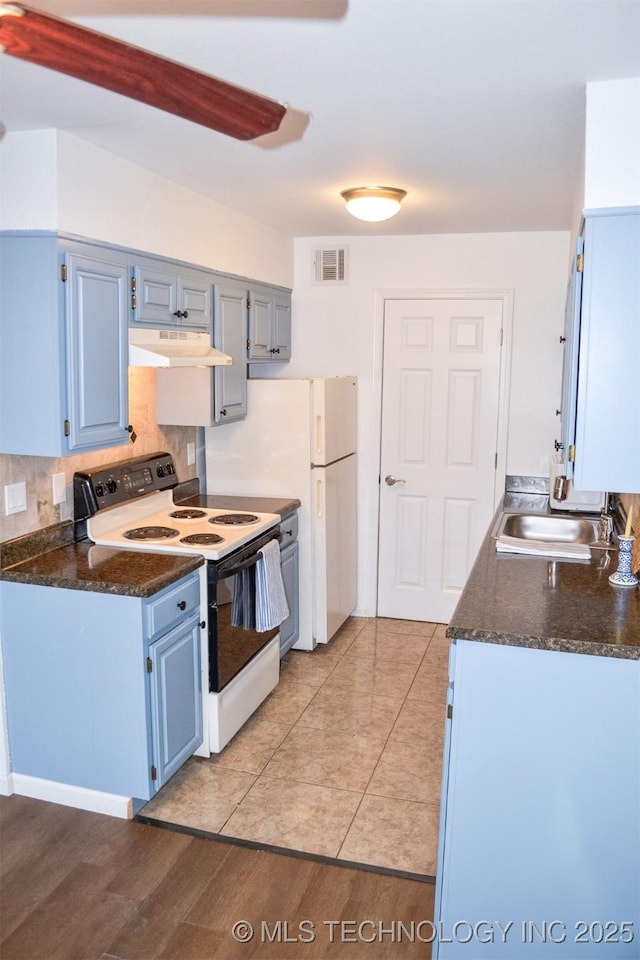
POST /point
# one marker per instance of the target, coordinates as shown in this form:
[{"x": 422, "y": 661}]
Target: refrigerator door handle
[{"x": 319, "y": 498}]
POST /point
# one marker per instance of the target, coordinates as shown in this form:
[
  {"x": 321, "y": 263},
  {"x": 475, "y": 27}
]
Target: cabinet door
[
  {"x": 608, "y": 412},
  {"x": 269, "y": 324},
  {"x": 168, "y": 295},
  {"x": 195, "y": 300},
  {"x": 260, "y": 324},
  {"x": 290, "y": 628},
  {"x": 570, "y": 361},
  {"x": 176, "y": 698},
  {"x": 282, "y": 327},
  {"x": 536, "y": 741},
  {"x": 230, "y": 336},
  {"x": 156, "y": 296},
  {"x": 96, "y": 318}
]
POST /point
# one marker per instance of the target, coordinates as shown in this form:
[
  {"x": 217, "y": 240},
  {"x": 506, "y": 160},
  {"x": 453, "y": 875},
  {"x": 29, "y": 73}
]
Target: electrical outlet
[
  {"x": 15, "y": 497},
  {"x": 58, "y": 487},
  {"x": 191, "y": 453}
]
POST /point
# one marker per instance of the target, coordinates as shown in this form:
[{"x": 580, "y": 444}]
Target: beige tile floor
[{"x": 342, "y": 760}]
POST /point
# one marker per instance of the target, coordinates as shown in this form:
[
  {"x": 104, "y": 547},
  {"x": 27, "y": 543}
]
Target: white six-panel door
[{"x": 440, "y": 408}]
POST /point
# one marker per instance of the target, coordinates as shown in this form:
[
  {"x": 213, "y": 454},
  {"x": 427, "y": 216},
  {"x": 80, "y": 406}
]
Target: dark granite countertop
[
  {"x": 222, "y": 501},
  {"x": 51, "y": 558},
  {"x": 549, "y": 605}
]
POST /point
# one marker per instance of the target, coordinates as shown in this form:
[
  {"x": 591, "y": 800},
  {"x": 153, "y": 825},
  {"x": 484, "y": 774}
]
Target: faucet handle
[{"x": 606, "y": 527}]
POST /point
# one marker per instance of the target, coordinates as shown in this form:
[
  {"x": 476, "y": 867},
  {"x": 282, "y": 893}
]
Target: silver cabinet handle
[{"x": 391, "y": 481}]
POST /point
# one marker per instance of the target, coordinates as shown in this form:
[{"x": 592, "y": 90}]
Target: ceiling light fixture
[{"x": 373, "y": 203}]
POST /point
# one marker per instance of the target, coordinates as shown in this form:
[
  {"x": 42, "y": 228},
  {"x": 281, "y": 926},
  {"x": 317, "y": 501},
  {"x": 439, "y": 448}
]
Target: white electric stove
[
  {"x": 131, "y": 506},
  {"x": 154, "y": 522}
]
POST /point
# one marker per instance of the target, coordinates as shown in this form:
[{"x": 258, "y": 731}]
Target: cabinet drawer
[
  {"x": 288, "y": 530},
  {"x": 172, "y": 605}
]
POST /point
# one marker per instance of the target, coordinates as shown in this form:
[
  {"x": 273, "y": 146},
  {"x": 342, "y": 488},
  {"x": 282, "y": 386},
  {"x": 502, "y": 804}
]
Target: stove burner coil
[
  {"x": 202, "y": 539},
  {"x": 234, "y": 519},
  {"x": 188, "y": 514},
  {"x": 151, "y": 533}
]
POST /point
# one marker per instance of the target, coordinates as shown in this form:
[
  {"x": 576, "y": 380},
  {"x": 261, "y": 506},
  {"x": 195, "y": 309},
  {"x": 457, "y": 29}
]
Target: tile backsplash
[
  {"x": 36, "y": 472},
  {"x": 629, "y": 499}
]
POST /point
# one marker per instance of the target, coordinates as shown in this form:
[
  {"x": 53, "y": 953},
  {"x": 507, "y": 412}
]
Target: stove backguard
[{"x": 119, "y": 482}]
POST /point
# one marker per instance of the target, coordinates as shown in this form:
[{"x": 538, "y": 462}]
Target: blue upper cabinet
[
  {"x": 607, "y": 430},
  {"x": 230, "y": 336},
  {"x": 269, "y": 324},
  {"x": 96, "y": 313},
  {"x": 208, "y": 396},
  {"x": 166, "y": 293},
  {"x": 64, "y": 348}
]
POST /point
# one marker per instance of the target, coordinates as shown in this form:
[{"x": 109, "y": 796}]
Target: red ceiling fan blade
[{"x": 136, "y": 73}]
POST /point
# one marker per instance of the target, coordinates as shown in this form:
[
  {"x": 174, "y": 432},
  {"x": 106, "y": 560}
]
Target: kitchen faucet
[{"x": 606, "y": 521}]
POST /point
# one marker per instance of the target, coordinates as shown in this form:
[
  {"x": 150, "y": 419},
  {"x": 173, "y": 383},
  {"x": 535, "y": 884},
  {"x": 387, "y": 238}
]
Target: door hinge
[
  {"x": 67, "y": 428},
  {"x": 149, "y": 665},
  {"x": 248, "y": 303},
  {"x": 134, "y": 284},
  {"x": 248, "y": 344},
  {"x": 63, "y": 272},
  {"x": 134, "y": 301},
  {"x": 449, "y": 711},
  {"x": 572, "y": 453},
  {"x": 154, "y": 773},
  {"x": 580, "y": 263},
  {"x": 495, "y": 461}
]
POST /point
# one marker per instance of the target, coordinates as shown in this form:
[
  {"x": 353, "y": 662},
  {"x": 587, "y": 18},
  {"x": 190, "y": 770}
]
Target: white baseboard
[
  {"x": 69, "y": 796},
  {"x": 6, "y": 785}
]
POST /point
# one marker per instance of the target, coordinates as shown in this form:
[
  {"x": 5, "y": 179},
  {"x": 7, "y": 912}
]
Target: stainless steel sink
[{"x": 552, "y": 529}]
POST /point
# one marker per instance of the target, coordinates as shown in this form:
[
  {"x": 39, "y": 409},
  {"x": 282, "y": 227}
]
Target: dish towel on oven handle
[
  {"x": 271, "y": 602},
  {"x": 243, "y": 606}
]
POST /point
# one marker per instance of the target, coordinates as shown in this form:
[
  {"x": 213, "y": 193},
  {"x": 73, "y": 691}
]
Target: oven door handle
[
  {"x": 225, "y": 572},
  {"x": 245, "y": 565}
]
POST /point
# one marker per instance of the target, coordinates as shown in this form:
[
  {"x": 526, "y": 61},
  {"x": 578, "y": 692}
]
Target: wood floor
[{"x": 77, "y": 885}]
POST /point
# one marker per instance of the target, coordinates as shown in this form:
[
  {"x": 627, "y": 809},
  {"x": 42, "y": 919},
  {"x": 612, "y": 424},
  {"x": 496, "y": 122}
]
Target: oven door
[{"x": 233, "y": 639}]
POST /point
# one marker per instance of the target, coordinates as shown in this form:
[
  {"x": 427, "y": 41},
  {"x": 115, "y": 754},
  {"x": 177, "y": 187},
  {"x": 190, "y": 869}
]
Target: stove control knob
[
  {"x": 111, "y": 485},
  {"x": 160, "y": 470},
  {"x": 99, "y": 490}
]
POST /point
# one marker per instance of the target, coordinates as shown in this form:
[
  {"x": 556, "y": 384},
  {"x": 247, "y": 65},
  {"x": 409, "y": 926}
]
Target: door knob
[{"x": 391, "y": 481}]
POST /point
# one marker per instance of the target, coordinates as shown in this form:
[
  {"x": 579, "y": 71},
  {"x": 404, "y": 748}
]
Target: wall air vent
[{"x": 331, "y": 266}]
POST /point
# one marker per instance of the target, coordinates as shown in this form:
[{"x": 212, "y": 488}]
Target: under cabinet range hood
[{"x": 173, "y": 348}]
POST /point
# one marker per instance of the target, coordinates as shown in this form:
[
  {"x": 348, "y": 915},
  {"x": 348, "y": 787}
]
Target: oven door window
[{"x": 236, "y": 641}]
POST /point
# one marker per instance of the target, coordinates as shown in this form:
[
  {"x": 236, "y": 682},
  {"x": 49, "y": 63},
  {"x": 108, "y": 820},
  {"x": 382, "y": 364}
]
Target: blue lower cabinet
[
  {"x": 539, "y": 851},
  {"x": 173, "y": 665},
  {"x": 290, "y": 568},
  {"x": 94, "y": 701}
]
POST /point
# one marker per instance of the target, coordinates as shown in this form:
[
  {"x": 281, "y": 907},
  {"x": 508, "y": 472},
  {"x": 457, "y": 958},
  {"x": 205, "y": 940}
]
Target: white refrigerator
[{"x": 299, "y": 440}]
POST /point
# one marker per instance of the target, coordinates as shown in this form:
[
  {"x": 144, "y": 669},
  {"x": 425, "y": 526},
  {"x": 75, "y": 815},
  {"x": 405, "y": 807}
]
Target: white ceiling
[{"x": 475, "y": 107}]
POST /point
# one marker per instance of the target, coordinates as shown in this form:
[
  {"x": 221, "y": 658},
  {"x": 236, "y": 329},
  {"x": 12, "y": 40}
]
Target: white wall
[
  {"x": 612, "y": 164},
  {"x": 28, "y": 180},
  {"x": 53, "y": 180},
  {"x": 338, "y": 330}
]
